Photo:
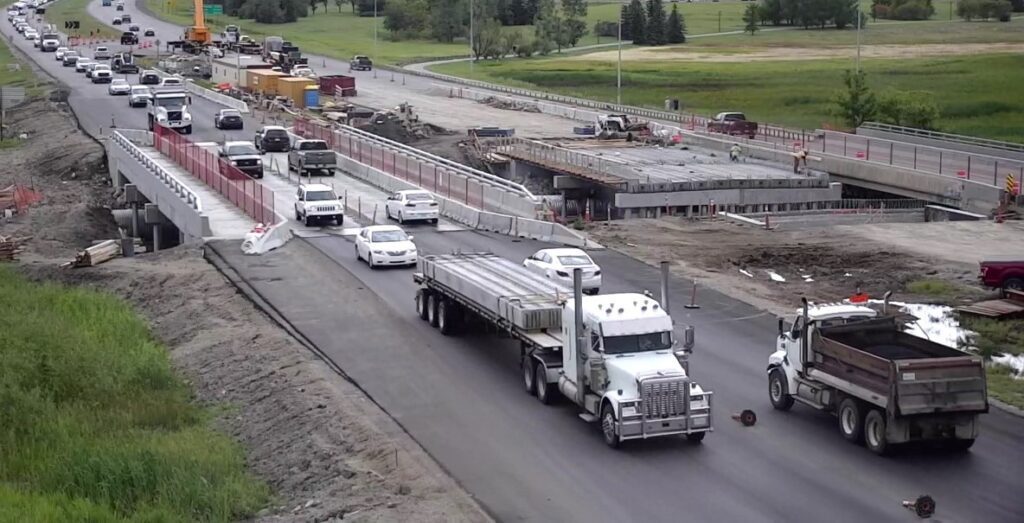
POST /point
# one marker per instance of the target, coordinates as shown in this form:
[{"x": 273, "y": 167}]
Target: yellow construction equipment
[{"x": 198, "y": 34}]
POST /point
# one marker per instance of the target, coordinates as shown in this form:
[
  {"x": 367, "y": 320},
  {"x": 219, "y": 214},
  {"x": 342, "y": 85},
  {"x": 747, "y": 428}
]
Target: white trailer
[{"x": 613, "y": 355}]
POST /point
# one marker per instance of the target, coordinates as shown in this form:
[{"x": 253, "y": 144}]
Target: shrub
[{"x": 914, "y": 10}]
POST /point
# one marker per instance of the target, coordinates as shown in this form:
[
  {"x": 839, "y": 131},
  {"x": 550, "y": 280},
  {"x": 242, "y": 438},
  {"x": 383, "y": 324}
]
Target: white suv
[{"x": 316, "y": 201}]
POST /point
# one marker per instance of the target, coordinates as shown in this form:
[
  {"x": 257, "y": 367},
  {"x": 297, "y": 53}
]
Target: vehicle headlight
[
  {"x": 234, "y": 163},
  {"x": 162, "y": 118},
  {"x": 259, "y": 161},
  {"x": 378, "y": 252},
  {"x": 187, "y": 117}
]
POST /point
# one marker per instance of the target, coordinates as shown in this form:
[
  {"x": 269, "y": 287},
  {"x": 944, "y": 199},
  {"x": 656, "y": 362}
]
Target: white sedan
[
  {"x": 558, "y": 264},
  {"x": 412, "y": 205},
  {"x": 382, "y": 245},
  {"x": 119, "y": 86},
  {"x": 59, "y": 53}
]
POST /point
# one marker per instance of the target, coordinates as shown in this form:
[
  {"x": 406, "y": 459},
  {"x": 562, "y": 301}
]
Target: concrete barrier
[
  {"x": 500, "y": 223},
  {"x": 209, "y": 94},
  {"x": 935, "y": 213}
]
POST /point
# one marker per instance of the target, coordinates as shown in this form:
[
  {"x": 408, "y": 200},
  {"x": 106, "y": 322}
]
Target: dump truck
[
  {"x": 613, "y": 355},
  {"x": 885, "y": 386}
]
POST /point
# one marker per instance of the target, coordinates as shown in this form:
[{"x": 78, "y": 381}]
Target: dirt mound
[{"x": 510, "y": 105}]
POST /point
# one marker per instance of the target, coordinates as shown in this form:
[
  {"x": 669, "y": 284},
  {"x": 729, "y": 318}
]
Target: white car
[
  {"x": 316, "y": 201},
  {"x": 31, "y": 34},
  {"x": 139, "y": 96},
  {"x": 381, "y": 245},
  {"x": 82, "y": 65},
  {"x": 59, "y": 53},
  {"x": 171, "y": 81},
  {"x": 558, "y": 264},
  {"x": 101, "y": 53},
  {"x": 119, "y": 86},
  {"x": 412, "y": 205}
]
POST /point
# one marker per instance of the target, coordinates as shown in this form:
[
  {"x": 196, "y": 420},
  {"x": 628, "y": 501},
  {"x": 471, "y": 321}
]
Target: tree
[
  {"x": 750, "y": 16},
  {"x": 636, "y": 23},
  {"x": 574, "y": 25},
  {"x": 624, "y": 19},
  {"x": 339, "y": 3},
  {"x": 513, "y": 40},
  {"x": 770, "y": 11},
  {"x": 446, "y": 20},
  {"x": 487, "y": 39},
  {"x": 369, "y": 7},
  {"x": 908, "y": 108},
  {"x": 675, "y": 29},
  {"x": 353, "y": 2},
  {"x": 312, "y": 5},
  {"x": 856, "y": 104},
  {"x": 844, "y": 13},
  {"x": 547, "y": 27},
  {"x": 406, "y": 18},
  {"x": 655, "y": 30}
]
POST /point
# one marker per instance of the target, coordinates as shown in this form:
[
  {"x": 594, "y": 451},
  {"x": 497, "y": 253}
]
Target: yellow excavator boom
[{"x": 198, "y": 33}]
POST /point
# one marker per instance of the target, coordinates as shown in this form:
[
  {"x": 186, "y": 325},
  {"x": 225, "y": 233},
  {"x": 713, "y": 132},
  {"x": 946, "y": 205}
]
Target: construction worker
[
  {"x": 797, "y": 157},
  {"x": 734, "y": 152}
]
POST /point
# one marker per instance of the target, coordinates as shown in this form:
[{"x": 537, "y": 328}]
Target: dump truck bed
[{"x": 914, "y": 375}]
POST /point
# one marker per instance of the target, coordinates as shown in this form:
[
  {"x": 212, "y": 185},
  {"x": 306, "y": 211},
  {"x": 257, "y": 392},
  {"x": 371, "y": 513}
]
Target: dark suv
[
  {"x": 272, "y": 139},
  {"x": 244, "y": 157}
]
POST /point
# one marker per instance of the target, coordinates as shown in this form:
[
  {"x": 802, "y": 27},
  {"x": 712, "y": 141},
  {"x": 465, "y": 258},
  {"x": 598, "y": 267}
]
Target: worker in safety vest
[
  {"x": 799, "y": 156},
  {"x": 734, "y": 152}
]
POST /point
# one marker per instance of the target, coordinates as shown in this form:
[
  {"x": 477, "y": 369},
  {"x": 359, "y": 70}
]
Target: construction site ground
[
  {"x": 823, "y": 264},
  {"x": 324, "y": 447}
]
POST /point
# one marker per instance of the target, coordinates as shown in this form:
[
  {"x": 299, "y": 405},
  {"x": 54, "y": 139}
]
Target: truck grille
[
  {"x": 325, "y": 208},
  {"x": 663, "y": 397},
  {"x": 246, "y": 163},
  {"x": 174, "y": 115}
]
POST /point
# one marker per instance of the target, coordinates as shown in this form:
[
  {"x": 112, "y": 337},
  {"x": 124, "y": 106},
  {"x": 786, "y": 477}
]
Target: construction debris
[
  {"x": 1012, "y": 306},
  {"x": 18, "y": 197},
  {"x": 101, "y": 252},
  {"x": 11, "y": 246},
  {"x": 510, "y": 105}
]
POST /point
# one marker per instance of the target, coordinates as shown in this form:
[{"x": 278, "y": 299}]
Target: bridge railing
[{"x": 126, "y": 139}]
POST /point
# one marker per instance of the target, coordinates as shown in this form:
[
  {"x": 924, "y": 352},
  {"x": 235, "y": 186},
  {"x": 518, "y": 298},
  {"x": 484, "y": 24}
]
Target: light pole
[
  {"x": 618, "y": 69},
  {"x": 471, "y": 51},
  {"x": 375, "y": 57},
  {"x": 858, "y": 41}
]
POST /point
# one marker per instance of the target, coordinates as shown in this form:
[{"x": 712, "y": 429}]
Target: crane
[{"x": 198, "y": 34}]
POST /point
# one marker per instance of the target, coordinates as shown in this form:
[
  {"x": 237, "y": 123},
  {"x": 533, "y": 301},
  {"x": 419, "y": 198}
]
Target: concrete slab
[{"x": 227, "y": 221}]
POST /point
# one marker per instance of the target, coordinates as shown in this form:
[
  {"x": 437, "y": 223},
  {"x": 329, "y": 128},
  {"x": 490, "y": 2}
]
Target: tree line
[{"x": 810, "y": 13}]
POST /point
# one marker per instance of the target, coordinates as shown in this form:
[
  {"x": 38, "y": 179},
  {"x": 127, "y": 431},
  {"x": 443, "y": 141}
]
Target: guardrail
[
  {"x": 245, "y": 193},
  {"x": 948, "y": 137},
  {"x": 162, "y": 174}
]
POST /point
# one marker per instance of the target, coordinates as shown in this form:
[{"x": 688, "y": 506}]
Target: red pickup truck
[
  {"x": 1003, "y": 272},
  {"x": 733, "y": 124}
]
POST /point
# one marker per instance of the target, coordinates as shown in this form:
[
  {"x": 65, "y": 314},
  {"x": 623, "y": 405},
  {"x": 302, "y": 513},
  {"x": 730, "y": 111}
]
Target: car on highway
[
  {"x": 360, "y": 63},
  {"x": 272, "y": 139},
  {"x": 139, "y": 96},
  {"x": 149, "y": 32},
  {"x": 31, "y": 34},
  {"x": 70, "y": 58},
  {"x": 95, "y": 67},
  {"x": 318, "y": 202},
  {"x": 172, "y": 81},
  {"x": 149, "y": 78},
  {"x": 116, "y": 21},
  {"x": 409, "y": 205},
  {"x": 129, "y": 38},
  {"x": 102, "y": 76},
  {"x": 37, "y": 41},
  {"x": 12, "y": 14},
  {"x": 82, "y": 65},
  {"x": 50, "y": 42},
  {"x": 134, "y": 28},
  {"x": 59, "y": 53},
  {"x": 228, "y": 119},
  {"x": 243, "y": 156},
  {"x": 558, "y": 265},
  {"x": 119, "y": 87},
  {"x": 126, "y": 18},
  {"x": 385, "y": 245},
  {"x": 101, "y": 53}
]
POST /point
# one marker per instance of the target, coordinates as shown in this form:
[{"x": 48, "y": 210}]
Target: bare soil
[
  {"x": 325, "y": 448},
  {"x": 824, "y": 264},
  {"x": 681, "y": 54}
]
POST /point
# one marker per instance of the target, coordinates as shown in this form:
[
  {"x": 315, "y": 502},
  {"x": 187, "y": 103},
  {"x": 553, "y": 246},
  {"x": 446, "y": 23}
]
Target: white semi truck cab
[
  {"x": 169, "y": 108},
  {"x": 613, "y": 355}
]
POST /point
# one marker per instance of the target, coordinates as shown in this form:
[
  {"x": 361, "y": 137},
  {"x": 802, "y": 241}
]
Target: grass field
[
  {"x": 59, "y": 12},
  {"x": 15, "y": 73},
  {"x": 1005, "y": 337},
  {"x": 977, "y": 94},
  {"x": 94, "y": 425}
]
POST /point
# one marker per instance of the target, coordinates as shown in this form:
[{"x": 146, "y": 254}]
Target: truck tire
[
  {"x": 545, "y": 392},
  {"x": 432, "y": 309},
  {"x": 778, "y": 390},
  {"x": 447, "y": 316},
  {"x": 851, "y": 420},
  {"x": 960, "y": 445},
  {"x": 608, "y": 426},
  {"x": 421, "y": 303},
  {"x": 528, "y": 383},
  {"x": 696, "y": 437},
  {"x": 874, "y": 432},
  {"x": 1016, "y": 284}
]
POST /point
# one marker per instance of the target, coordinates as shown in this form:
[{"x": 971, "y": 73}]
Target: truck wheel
[
  {"x": 447, "y": 317},
  {"x": 528, "y": 383},
  {"x": 959, "y": 445},
  {"x": 851, "y": 420},
  {"x": 540, "y": 380},
  {"x": 432, "y": 309},
  {"x": 369, "y": 261},
  {"x": 874, "y": 432},
  {"x": 696, "y": 437},
  {"x": 421, "y": 304},
  {"x": 778, "y": 390},
  {"x": 298, "y": 216},
  {"x": 608, "y": 426},
  {"x": 1016, "y": 284}
]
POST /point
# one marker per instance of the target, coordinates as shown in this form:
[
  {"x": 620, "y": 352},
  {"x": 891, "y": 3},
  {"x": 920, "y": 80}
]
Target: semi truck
[
  {"x": 168, "y": 107},
  {"x": 614, "y": 355},
  {"x": 885, "y": 386}
]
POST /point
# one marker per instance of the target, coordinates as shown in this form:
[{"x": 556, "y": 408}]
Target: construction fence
[{"x": 247, "y": 194}]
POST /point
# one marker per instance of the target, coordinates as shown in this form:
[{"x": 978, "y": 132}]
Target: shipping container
[
  {"x": 264, "y": 81},
  {"x": 294, "y": 89}
]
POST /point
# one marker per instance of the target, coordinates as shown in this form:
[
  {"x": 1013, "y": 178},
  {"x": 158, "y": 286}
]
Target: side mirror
[
  {"x": 689, "y": 338},
  {"x": 782, "y": 326},
  {"x": 411, "y": 237},
  {"x": 795, "y": 333}
]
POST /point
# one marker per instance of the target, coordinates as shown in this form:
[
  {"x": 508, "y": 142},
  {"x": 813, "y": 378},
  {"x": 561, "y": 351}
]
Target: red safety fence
[
  {"x": 424, "y": 174},
  {"x": 247, "y": 194}
]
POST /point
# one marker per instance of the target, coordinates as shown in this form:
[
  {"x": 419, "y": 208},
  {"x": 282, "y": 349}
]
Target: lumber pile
[
  {"x": 101, "y": 252},
  {"x": 10, "y": 247}
]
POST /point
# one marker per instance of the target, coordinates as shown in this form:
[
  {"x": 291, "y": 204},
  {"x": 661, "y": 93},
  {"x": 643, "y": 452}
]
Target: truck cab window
[{"x": 637, "y": 343}]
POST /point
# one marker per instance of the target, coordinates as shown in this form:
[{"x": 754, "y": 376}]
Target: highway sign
[{"x": 213, "y": 9}]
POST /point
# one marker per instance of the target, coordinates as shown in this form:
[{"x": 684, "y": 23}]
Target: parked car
[
  {"x": 139, "y": 96},
  {"x": 149, "y": 32},
  {"x": 558, "y": 264},
  {"x": 243, "y": 156},
  {"x": 1002, "y": 272},
  {"x": 272, "y": 139},
  {"x": 149, "y": 78},
  {"x": 385, "y": 245},
  {"x": 101, "y": 53},
  {"x": 228, "y": 119},
  {"x": 119, "y": 87},
  {"x": 412, "y": 205},
  {"x": 360, "y": 63}
]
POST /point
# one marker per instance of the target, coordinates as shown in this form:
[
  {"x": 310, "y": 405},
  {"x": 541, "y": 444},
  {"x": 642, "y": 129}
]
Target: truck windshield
[
  {"x": 170, "y": 101},
  {"x": 637, "y": 343},
  {"x": 242, "y": 148}
]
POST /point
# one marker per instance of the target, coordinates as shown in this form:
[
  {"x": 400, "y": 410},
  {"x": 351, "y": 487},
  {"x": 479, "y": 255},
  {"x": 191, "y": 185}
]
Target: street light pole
[
  {"x": 471, "y": 51},
  {"x": 858, "y": 41},
  {"x": 375, "y": 57},
  {"x": 618, "y": 69}
]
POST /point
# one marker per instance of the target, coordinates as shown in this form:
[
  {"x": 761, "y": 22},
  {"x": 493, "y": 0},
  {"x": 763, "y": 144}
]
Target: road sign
[
  {"x": 71, "y": 24},
  {"x": 1011, "y": 185},
  {"x": 213, "y": 9}
]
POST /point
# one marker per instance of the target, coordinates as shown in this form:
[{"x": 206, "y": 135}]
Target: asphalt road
[{"x": 461, "y": 398}]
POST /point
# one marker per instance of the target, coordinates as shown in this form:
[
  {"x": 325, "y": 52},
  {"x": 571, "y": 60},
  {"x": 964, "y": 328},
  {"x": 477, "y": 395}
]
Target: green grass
[
  {"x": 1004, "y": 387},
  {"x": 933, "y": 288},
  {"x": 999, "y": 337},
  {"x": 95, "y": 426},
  {"x": 15, "y": 73},
  {"x": 59, "y": 12}
]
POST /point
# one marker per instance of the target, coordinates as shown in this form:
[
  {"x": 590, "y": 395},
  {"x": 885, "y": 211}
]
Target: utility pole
[
  {"x": 472, "y": 52},
  {"x": 618, "y": 69},
  {"x": 375, "y": 57},
  {"x": 858, "y": 41}
]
